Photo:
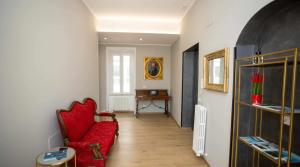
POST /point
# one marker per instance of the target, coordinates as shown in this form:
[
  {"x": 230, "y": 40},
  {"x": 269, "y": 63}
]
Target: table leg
[
  {"x": 136, "y": 109},
  {"x": 75, "y": 161},
  {"x": 167, "y": 107}
]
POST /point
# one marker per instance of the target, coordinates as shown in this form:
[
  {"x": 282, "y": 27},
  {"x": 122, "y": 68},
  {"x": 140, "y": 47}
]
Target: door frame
[{"x": 196, "y": 77}]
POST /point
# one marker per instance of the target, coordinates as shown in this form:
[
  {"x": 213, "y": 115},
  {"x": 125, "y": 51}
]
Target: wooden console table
[{"x": 152, "y": 95}]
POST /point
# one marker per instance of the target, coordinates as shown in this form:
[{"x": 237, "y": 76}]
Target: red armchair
[{"x": 92, "y": 140}]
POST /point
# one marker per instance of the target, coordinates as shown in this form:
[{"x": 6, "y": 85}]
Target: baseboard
[
  {"x": 205, "y": 161},
  {"x": 179, "y": 126},
  {"x": 123, "y": 112}
]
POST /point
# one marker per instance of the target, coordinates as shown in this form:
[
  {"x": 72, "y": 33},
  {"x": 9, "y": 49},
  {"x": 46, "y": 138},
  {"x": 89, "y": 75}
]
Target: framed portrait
[{"x": 153, "y": 68}]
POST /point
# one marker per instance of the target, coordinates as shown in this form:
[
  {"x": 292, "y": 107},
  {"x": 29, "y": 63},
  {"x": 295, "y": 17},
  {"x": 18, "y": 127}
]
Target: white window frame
[{"x": 109, "y": 69}]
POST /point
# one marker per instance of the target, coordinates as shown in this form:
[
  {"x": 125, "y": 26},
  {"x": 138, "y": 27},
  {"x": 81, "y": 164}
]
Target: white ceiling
[
  {"x": 134, "y": 38},
  {"x": 142, "y": 16},
  {"x": 148, "y": 9}
]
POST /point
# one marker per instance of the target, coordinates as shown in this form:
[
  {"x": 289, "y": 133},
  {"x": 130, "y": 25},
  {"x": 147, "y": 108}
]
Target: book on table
[{"x": 55, "y": 155}]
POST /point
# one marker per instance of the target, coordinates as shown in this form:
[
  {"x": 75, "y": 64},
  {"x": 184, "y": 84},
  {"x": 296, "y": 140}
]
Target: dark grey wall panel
[
  {"x": 188, "y": 88},
  {"x": 189, "y": 85},
  {"x": 275, "y": 27}
]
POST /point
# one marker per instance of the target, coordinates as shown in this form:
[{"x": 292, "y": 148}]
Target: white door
[{"x": 120, "y": 78}]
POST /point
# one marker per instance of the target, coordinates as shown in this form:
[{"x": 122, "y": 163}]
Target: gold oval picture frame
[{"x": 153, "y": 68}]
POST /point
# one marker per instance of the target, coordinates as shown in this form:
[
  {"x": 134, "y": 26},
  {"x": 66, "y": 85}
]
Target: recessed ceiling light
[
  {"x": 141, "y": 39},
  {"x": 105, "y": 38}
]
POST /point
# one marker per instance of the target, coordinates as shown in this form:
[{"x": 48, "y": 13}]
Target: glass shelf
[
  {"x": 268, "y": 149},
  {"x": 271, "y": 108}
]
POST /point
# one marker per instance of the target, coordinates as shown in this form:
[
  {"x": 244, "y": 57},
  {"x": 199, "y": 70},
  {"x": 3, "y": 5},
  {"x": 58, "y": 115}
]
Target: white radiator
[
  {"x": 121, "y": 103},
  {"x": 199, "y": 130}
]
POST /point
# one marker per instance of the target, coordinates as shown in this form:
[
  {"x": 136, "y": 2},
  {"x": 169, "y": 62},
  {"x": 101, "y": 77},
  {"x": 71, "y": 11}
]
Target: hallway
[{"x": 152, "y": 140}]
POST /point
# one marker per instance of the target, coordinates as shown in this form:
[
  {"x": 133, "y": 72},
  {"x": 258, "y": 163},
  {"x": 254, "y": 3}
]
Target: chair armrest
[
  {"x": 107, "y": 114},
  {"x": 113, "y": 116},
  {"x": 94, "y": 149}
]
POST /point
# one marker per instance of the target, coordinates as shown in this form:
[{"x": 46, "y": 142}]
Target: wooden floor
[{"x": 152, "y": 140}]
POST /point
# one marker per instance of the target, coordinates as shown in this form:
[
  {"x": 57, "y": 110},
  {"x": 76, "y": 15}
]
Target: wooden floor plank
[{"x": 152, "y": 140}]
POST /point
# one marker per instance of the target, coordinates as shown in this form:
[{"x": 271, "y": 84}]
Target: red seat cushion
[{"x": 103, "y": 133}]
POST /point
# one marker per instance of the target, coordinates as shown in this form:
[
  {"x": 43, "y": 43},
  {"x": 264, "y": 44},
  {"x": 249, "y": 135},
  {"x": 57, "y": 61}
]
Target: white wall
[
  {"x": 215, "y": 24},
  {"x": 141, "y": 52},
  {"x": 48, "y": 58}
]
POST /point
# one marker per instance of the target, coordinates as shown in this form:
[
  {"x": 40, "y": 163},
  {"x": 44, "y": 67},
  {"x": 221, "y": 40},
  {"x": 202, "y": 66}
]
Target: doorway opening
[{"x": 189, "y": 98}]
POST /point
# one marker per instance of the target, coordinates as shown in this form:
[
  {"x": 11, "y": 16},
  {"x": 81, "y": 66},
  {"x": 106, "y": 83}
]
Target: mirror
[{"x": 216, "y": 70}]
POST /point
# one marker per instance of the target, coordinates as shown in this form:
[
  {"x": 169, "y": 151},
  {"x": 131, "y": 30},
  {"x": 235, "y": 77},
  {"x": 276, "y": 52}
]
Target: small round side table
[{"x": 70, "y": 155}]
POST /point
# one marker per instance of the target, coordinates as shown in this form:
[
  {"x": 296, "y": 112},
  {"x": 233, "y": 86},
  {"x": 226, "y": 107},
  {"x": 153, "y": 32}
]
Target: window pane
[
  {"x": 126, "y": 74},
  {"x": 116, "y": 74}
]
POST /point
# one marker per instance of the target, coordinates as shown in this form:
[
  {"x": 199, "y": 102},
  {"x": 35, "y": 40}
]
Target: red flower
[{"x": 257, "y": 78}]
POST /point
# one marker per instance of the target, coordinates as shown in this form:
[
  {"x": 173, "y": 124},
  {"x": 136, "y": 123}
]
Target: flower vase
[
  {"x": 256, "y": 92},
  {"x": 256, "y": 99}
]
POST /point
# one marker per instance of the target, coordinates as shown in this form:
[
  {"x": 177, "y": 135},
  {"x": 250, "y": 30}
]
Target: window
[
  {"x": 126, "y": 74},
  {"x": 116, "y": 74},
  {"x": 120, "y": 70}
]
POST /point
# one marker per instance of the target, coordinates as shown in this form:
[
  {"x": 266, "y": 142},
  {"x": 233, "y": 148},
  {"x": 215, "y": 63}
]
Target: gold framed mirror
[{"x": 216, "y": 70}]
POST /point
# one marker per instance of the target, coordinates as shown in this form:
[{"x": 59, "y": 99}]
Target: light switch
[{"x": 201, "y": 83}]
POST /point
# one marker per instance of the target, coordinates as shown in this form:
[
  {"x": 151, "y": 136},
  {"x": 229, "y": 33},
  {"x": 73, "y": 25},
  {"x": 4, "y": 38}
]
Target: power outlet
[{"x": 55, "y": 140}]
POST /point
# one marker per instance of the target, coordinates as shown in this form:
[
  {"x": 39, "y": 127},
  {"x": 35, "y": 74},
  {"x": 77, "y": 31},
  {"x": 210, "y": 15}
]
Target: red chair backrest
[{"x": 78, "y": 120}]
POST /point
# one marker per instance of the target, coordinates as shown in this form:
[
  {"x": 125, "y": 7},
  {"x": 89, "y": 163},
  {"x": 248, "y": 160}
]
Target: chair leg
[{"x": 117, "y": 132}]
